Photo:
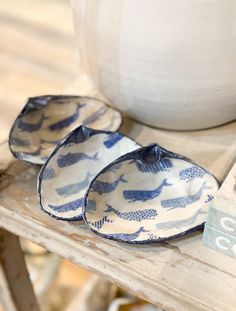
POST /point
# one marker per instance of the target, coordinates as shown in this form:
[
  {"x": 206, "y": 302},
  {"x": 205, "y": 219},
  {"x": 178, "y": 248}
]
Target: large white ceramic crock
[{"x": 167, "y": 63}]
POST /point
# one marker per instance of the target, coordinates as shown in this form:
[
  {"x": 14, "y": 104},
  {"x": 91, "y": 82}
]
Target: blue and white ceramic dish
[
  {"x": 163, "y": 195},
  {"x": 45, "y": 120},
  {"x": 77, "y": 159}
]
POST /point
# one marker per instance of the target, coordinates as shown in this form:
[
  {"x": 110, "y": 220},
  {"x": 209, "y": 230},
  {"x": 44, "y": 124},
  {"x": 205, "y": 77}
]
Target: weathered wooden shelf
[{"x": 180, "y": 275}]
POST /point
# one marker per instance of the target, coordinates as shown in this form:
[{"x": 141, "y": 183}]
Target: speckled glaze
[
  {"x": 168, "y": 64},
  {"x": 45, "y": 120},
  {"x": 165, "y": 195},
  {"x": 66, "y": 176}
]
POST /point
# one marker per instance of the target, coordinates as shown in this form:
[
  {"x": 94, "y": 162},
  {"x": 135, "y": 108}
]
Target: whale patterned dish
[
  {"x": 78, "y": 158},
  {"x": 165, "y": 195},
  {"x": 45, "y": 120}
]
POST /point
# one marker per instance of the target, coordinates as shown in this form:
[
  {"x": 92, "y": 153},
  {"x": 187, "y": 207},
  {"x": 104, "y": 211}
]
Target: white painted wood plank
[{"x": 182, "y": 274}]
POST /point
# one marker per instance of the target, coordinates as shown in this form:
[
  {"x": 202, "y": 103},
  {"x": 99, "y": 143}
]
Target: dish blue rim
[
  {"x": 42, "y": 101},
  {"x": 135, "y": 155},
  {"x": 90, "y": 132}
]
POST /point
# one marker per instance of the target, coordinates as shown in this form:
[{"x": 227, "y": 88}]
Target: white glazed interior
[
  {"x": 169, "y": 63},
  {"x": 158, "y": 222},
  {"x": 45, "y": 140},
  {"x": 52, "y": 189}
]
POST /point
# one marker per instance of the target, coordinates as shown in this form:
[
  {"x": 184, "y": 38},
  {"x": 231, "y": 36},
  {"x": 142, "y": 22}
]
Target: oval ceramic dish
[
  {"x": 45, "y": 120},
  {"x": 64, "y": 179},
  {"x": 165, "y": 195}
]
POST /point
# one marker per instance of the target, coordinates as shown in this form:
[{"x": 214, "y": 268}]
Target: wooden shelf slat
[{"x": 180, "y": 275}]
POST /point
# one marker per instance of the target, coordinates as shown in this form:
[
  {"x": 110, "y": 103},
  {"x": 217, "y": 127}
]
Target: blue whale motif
[
  {"x": 20, "y": 142},
  {"x": 177, "y": 224},
  {"x": 105, "y": 187},
  {"x": 49, "y": 173},
  {"x": 163, "y": 165},
  {"x": 66, "y": 121},
  {"x": 99, "y": 223},
  {"x": 133, "y": 216},
  {"x": 67, "y": 207},
  {"x": 74, "y": 188},
  {"x": 95, "y": 116},
  {"x": 191, "y": 173},
  {"x": 72, "y": 158},
  {"x": 126, "y": 236},
  {"x": 144, "y": 195},
  {"x": 181, "y": 202},
  {"x": 31, "y": 127},
  {"x": 112, "y": 140}
]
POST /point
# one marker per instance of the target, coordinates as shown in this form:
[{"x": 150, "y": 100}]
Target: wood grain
[{"x": 16, "y": 291}]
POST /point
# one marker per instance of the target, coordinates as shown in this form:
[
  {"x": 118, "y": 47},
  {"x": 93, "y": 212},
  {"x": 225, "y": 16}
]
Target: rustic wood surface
[
  {"x": 179, "y": 275},
  {"x": 16, "y": 291},
  {"x": 37, "y": 56}
]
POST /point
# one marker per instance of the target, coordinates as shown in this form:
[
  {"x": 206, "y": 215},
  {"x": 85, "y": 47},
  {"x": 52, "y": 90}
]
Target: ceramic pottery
[
  {"x": 77, "y": 159},
  {"x": 45, "y": 120},
  {"x": 166, "y": 63},
  {"x": 164, "y": 195}
]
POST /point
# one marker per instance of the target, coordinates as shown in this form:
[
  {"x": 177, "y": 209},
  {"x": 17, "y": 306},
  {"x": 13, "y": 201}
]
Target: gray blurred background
[{"x": 37, "y": 53}]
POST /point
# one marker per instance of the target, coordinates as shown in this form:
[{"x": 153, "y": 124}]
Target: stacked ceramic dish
[{"x": 92, "y": 172}]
